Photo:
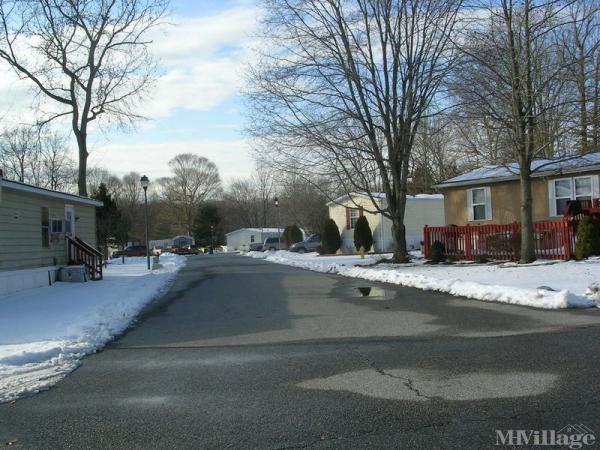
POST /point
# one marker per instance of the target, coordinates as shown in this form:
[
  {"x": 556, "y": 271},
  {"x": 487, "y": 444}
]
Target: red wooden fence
[{"x": 553, "y": 240}]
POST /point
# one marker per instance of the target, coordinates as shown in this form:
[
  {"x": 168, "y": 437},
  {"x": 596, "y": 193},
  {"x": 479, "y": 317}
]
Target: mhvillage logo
[{"x": 571, "y": 436}]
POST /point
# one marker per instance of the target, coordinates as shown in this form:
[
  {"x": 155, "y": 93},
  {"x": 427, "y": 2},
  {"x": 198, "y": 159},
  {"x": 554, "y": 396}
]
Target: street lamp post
[
  {"x": 278, "y": 223},
  {"x": 212, "y": 237},
  {"x": 144, "y": 181}
]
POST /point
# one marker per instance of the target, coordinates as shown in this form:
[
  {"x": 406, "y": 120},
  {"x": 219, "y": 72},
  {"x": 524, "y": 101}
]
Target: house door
[{"x": 69, "y": 220}]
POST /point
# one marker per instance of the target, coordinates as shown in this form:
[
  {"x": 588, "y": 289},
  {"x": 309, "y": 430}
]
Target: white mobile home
[
  {"x": 240, "y": 240},
  {"x": 421, "y": 210}
]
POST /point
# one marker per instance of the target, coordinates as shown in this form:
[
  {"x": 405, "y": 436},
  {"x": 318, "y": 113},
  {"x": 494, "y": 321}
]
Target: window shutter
[
  {"x": 551, "y": 198},
  {"x": 361, "y": 211},
  {"x": 595, "y": 187},
  {"x": 470, "y": 205},
  {"x": 347, "y": 218},
  {"x": 488, "y": 203}
]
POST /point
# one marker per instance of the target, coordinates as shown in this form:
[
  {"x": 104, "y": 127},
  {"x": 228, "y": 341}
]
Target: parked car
[
  {"x": 132, "y": 250},
  {"x": 186, "y": 250},
  {"x": 272, "y": 243},
  {"x": 256, "y": 247},
  {"x": 309, "y": 244}
]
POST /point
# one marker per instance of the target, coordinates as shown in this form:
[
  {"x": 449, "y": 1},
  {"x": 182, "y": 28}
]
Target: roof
[
  {"x": 381, "y": 196},
  {"x": 541, "y": 167},
  {"x": 256, "y": 230},
  {"x": 29, "y": 188}
]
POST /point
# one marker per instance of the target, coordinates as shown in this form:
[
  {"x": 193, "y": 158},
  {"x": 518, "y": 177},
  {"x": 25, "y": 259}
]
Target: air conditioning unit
[{"x": 73, "y": 274}]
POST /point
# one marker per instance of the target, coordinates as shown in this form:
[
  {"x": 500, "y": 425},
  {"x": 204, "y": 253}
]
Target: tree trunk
[
  {"x": 583, "y": 103},
  {"x": 596, "y": 109},
  {"x": 399, "y": 235},
  {"x": 527, "y": 236},
  {"x": 83, "y": 155}
]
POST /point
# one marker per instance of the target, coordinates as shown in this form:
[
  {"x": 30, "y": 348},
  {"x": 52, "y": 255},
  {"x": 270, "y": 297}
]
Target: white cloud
[
  {"x": 203, "y": 59},
  {"x": 231, "y": 156}
]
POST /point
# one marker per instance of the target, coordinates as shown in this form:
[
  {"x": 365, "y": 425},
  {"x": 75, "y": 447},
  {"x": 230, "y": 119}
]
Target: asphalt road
[{"x": 246, "y": 354}]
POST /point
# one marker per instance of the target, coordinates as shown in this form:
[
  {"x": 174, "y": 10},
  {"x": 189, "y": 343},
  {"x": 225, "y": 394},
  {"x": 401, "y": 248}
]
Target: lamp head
[{"x": 144, "y": 181}]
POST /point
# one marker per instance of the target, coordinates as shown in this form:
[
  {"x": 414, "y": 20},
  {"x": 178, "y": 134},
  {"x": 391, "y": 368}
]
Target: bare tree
[
  {"x": 87, "y": 58},
  {"x": 264, "y": 182},
  {"x": 99, "y": 175},
  {"x": 194, "y": 180},
  {"x": 19, "y": 148},
  {"x": 242, "y": 206},
  {"x": 511, "y": 78},
  {"x": 302, "y": 203},
  {"x": 436, "y": 155},
  {"x": 580, "y": 49},
  {"x": 58, "y": 170},
  {"x": 344, "y": 85},
  {"x": 130, "y": 201}
]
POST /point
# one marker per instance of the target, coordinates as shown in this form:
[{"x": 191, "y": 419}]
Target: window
[
  {"x": 354, "y": 215},
  {"x": 45, "y": 227},
  {"x": 479, "y": 202},
  {"x": 562, "y": 194},
  {"x": 565, "y": 189},
  {"x": 251, "y": 238},
  {"x": 583, "y": 188},
  {"x": 56, "y": 226}
]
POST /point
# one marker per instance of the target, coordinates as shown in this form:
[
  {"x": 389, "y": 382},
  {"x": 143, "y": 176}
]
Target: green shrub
[
  {"x": 363, "y": 237},
  {"x": 588, "y": 238},
  {"x": 482, "y": 259},
  {"x": 291, "y": 235},
  {"x": 437, "y": 252},
  {"x": 330, "y": 240}
]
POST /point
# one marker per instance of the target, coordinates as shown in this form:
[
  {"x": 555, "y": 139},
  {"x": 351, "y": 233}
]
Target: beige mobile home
[
  {"x": 421, "y": 210},
  {"x": 491, "y": 194},
  {"x": 37, "y": 226}
]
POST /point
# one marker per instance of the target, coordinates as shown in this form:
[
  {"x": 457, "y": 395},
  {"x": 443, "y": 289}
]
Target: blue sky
[{"x": 197, "y": 106}]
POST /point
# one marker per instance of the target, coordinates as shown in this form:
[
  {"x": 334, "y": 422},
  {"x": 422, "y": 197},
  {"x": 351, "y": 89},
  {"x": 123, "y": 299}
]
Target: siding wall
[
  {"x": 505, "y": 201},
  {"x": 21, "y": 229},
  {"x": 240, "y": 240},
  {"x": 419, "y": 212}
]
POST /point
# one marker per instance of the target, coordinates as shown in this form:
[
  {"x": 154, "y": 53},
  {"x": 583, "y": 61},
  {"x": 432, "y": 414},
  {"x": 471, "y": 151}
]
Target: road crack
[{"x": 408, "y": 382}]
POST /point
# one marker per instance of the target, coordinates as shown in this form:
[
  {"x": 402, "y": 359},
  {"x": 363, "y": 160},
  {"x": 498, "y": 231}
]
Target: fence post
[
  {"x": 426, "y": 240},
  {"x": 566, "y": 232},
  {"x": 468, "y": 243}
]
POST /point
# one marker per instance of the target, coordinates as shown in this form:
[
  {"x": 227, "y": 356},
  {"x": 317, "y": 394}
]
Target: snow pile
[
  {"x": 312, "y": 261},
  {"x": 44, "y": 332},
  {"x": 547, "y": 285}
]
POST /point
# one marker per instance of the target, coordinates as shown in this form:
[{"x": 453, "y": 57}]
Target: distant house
[
  {"x": 421, "y": 210},
  {"x": 177, "y": 241},
  {"x": 240, "y": 240},
  {"x": 491, "y": 195},
  {"x": 41, "y": 230}
]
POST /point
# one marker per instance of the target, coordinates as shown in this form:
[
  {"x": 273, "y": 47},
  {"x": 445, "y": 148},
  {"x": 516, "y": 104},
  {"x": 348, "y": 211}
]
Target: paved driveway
[{"x": 247, "y": 354}]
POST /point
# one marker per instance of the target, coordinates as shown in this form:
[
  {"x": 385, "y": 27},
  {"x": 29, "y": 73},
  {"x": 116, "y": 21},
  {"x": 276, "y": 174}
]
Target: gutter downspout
[{"x": 382, "y": 234}]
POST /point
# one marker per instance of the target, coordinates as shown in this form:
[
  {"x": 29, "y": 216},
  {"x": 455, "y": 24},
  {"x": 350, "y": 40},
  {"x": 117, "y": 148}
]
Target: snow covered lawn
[
  {"x": 574, "y": 284},
  {"x": 44, "y": 332}
]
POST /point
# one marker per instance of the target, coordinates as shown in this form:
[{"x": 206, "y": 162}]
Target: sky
[{"x": 196, "y": 105}]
